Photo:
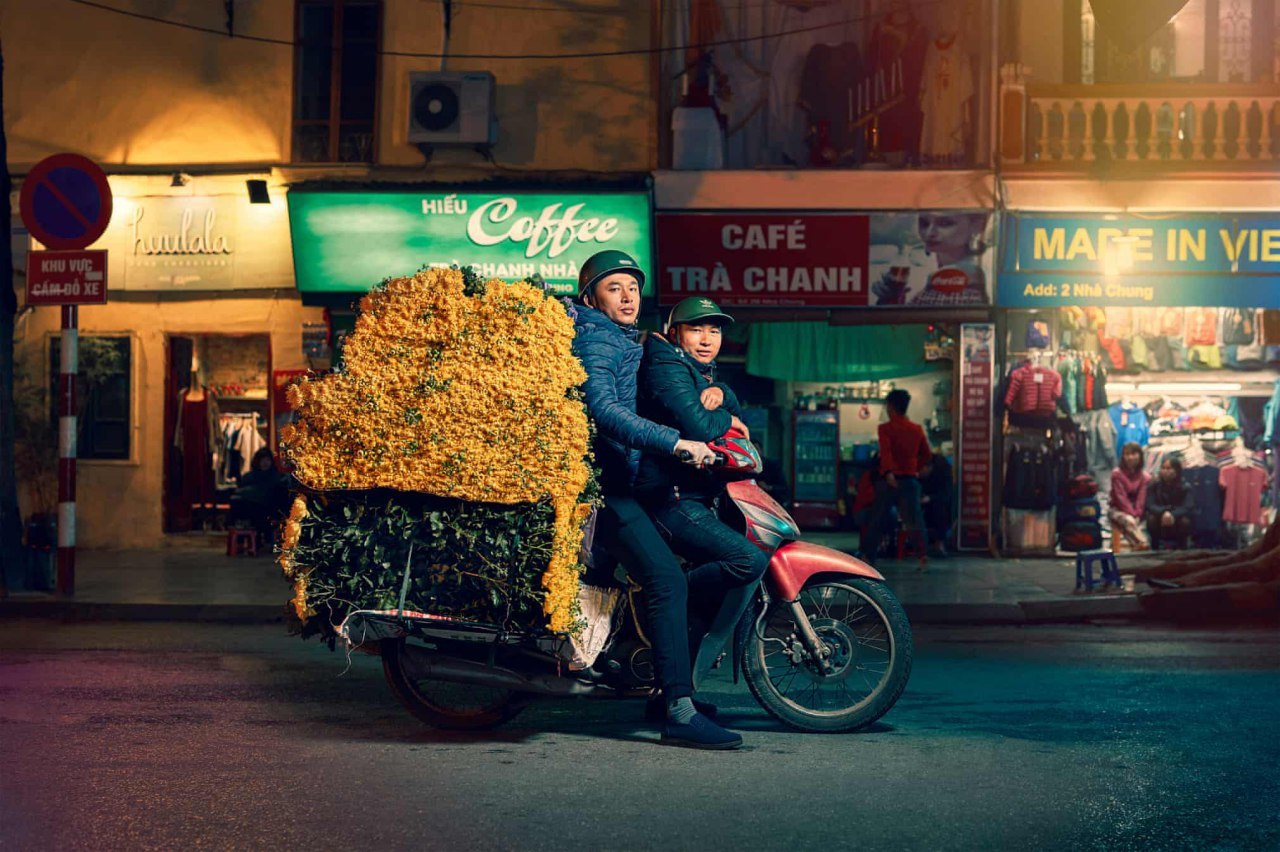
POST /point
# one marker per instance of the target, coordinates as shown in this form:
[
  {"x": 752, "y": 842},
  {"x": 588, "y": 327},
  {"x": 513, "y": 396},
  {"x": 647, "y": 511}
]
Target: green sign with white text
[{"x": 346, "y": 242}]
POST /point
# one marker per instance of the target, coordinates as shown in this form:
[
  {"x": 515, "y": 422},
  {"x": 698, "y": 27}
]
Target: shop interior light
[{"x": 1187, "y": 387}]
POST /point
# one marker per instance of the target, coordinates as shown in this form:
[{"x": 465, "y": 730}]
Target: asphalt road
[{"x": 163, "y": 736}]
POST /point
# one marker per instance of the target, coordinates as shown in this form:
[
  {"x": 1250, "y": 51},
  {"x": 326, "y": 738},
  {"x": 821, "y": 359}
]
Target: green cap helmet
[
  {"x": 604, "y": 263},
  {"x": 696, "y": 308}
]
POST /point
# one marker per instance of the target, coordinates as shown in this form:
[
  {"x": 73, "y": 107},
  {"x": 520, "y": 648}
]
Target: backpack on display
[
  {"x": 1081, "y": 486},
  {"x": 1080, "y": 535},
  {"x": 1085, "y": 509}
]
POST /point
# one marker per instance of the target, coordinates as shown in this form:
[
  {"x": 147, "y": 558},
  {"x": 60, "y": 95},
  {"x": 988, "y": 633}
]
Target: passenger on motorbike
[
  {"x": 606, "y": 343},
  {"x": 677, "y": 389}
]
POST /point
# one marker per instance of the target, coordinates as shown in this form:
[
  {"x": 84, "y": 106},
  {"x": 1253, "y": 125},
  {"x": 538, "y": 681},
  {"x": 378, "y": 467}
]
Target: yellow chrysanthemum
[{"x": 459, "y": 396}]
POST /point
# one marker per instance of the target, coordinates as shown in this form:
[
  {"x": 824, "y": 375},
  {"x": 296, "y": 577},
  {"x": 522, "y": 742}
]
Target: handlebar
[{"x": 686, "y": 456}]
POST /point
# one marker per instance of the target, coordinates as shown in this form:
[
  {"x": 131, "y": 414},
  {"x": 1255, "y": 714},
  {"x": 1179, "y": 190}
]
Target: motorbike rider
[
  {"x": 678, "y": 388},
  {"x": 606, "y": 343}
]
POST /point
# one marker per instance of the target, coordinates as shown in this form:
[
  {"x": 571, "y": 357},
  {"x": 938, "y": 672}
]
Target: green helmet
[
  {"x": 696, "y": 308},
  {"x": 604, "y": 263}
]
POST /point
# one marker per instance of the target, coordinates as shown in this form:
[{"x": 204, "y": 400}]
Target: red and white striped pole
[{"x": 69, "y": 366}]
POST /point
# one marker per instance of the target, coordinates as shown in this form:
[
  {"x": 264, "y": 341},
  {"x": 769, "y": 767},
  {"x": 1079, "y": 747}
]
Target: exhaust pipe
[{"x": 420, "y": 663}]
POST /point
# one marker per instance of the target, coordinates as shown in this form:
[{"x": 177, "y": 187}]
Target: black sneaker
[
  {"x": 655, "y": 709},
  {"x": 701, "y": 732}
]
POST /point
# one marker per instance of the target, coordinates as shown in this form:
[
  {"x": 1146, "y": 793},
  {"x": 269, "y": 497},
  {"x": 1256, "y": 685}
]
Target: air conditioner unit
[{"x": 451, "y": 109}]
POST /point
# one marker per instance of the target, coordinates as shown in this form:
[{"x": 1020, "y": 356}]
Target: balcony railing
[{"x": 1168, "y": 125}]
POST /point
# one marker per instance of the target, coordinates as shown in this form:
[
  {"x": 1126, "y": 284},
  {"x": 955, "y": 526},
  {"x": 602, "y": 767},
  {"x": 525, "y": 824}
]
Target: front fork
[
  {"x": 818, "y": 650},
  {"x": 794, "y": 645}
]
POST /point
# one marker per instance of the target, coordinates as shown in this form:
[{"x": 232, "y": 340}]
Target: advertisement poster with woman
[{"x": 931, "y": 258}]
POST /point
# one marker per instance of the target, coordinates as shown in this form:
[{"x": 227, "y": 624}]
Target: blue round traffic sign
[{"x": 65, "y": 201}]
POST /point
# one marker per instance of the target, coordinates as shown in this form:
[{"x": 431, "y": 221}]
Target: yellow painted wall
[
  {"x": 596, "y": 114},
  {"x": 127, "y": 91},
  {"x": 136, "y": 94},
  {"x": 119, "y": 503}
]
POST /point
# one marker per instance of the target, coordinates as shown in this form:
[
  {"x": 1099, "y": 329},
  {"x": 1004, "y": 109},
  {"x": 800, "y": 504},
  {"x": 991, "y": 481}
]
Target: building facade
[{"x": 206, "y": 118}]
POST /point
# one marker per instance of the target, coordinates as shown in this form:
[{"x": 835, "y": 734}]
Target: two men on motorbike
[{"x": 606, "y": 342}]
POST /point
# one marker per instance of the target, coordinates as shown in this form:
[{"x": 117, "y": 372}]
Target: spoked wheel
[
  {"x": 865, "y": 642},
  {"x": 442, "y": 704}
]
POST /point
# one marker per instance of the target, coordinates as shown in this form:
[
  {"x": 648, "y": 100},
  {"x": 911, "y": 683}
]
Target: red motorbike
[{"x": 822, "y": 642}]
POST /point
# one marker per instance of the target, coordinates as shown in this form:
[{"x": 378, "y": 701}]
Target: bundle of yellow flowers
[{"x": 453, "y": 388}]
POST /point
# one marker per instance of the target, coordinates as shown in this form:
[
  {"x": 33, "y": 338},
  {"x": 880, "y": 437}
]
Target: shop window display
[
  {"x": 218, "y": 421},
  {"x": 1198, "y": 386}
]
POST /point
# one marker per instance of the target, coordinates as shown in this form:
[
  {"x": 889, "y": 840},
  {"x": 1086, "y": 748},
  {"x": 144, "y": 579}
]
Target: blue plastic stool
[{"x": 1109, "y": 571}]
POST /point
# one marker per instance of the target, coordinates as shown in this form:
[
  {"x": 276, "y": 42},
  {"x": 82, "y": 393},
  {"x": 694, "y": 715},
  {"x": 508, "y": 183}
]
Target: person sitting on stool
[
  {"x": 262, "y": 497},
  {"x": 1169, "y": 506}
]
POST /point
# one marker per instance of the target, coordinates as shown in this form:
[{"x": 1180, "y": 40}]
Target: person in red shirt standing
[{"x": 904, "y": 450}]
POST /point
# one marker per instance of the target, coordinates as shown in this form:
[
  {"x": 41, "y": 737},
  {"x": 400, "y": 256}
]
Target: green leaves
[{"x": 470, "y": 560}]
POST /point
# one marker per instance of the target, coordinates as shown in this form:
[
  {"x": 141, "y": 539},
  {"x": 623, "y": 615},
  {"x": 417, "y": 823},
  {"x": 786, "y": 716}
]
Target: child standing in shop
[{"x": 1129, "y": 484}]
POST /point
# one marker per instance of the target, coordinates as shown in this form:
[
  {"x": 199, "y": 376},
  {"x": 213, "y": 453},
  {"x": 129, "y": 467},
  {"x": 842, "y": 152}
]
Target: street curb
[
  {"x": 1082, "y": 608},
  {"x": 64, "y": 610}
]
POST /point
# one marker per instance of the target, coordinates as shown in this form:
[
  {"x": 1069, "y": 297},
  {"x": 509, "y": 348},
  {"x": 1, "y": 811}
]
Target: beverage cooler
[{"x": 815, "y": 457}]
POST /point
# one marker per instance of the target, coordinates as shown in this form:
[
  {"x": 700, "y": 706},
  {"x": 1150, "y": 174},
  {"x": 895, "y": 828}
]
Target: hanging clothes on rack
[
  {"x": 1131, "y": 423},
  {"x": 1242, "y": 483},
  {"x": 1033, "y": 389},
  {"x": 195, "y": 438}
]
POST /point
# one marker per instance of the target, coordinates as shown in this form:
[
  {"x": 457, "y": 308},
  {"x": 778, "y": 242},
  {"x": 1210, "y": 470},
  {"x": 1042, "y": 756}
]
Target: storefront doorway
[{"x": 217, "y": 416}]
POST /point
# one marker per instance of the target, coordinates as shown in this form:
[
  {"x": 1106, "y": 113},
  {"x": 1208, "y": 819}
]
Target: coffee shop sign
[
  {"x": 554, "y": 230},
  {"x": 191, "y": 237}
]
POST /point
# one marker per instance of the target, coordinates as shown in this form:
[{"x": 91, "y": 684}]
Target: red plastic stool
[
  {"x": 914, "y": 538},
  {"x": 242, "y": 542}
]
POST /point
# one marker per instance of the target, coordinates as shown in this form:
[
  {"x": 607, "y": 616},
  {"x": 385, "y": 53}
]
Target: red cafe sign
[{"x": 744, "y": 260}]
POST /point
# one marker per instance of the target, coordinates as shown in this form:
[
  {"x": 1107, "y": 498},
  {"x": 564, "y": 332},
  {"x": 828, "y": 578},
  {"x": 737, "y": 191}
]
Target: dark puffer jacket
[
  {"x": 671, "y": 386},
  {"x": 611, "y": 355}
]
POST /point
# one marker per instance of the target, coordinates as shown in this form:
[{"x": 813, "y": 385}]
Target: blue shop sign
[{"x": 1176, "y": 260}]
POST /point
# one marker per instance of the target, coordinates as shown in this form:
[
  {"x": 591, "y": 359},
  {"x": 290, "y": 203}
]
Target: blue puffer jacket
[{"x": 611, "y": 355}]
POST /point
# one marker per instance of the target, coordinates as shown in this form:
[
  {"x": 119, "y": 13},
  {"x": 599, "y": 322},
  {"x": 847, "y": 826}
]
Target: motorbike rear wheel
[
  {"x": 866, "y": 639},
  {"x": 441, "y": 704}
]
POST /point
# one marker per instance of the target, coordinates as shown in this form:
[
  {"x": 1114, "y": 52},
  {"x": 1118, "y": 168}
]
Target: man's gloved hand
[{"x": 700, "y": 455}]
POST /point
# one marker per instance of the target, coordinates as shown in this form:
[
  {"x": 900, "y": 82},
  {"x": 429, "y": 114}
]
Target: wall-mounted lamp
[
  {"x": 257, "y": 191},
  {"x": 179, "y": 179}
]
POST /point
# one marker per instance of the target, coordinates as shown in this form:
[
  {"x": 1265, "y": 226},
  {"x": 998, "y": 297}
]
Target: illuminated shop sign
[
  {"x": 350, "y": 241},
  {"x": 1179, "y": 259}
]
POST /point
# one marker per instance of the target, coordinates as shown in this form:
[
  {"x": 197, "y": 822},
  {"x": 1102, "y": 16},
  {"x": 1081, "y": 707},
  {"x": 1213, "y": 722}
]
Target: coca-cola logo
[{"x": 950, "y": 281}]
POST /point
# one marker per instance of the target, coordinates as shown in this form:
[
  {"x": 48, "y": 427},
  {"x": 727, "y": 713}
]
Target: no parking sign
[
  {"x": 65, "y": 201},
  {"x": 66, "y": 204}
]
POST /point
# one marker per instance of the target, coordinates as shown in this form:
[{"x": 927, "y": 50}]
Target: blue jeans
[
  {"x": 625, "y": 531},
  {"x": 723, "y": 559},
  {"x": 722, "y": 582}
]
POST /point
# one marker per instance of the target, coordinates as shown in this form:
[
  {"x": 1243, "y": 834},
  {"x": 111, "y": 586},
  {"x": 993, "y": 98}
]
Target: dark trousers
[
  {"x": 1171, "y": 537},
  {"x": 723, "y": 559},
  {"x": 906, "y": 498},
  {"x": 625, "y": 531}
]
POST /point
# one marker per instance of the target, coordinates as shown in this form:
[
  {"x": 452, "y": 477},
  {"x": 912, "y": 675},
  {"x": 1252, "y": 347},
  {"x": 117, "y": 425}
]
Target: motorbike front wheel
[
  {"x": 442, "y": 704},
  {"x": 866, "y": 643}
]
